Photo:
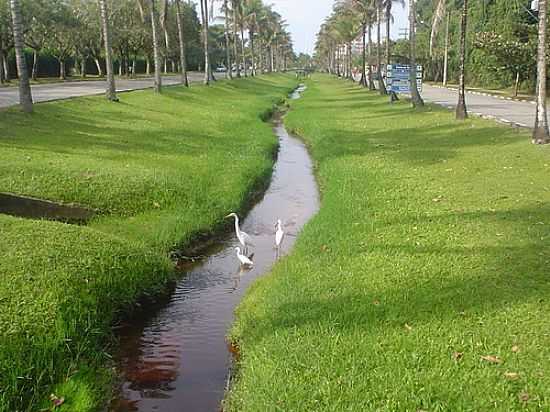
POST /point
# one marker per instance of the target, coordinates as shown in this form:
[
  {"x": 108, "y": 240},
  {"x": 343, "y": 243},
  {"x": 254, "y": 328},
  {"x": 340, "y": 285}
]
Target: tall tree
[
  {"x": 229, "y": 65},
  {"x": 25, "y": 95},
  {"x": 156, "y": 47},
  {"x": 111, "y": 88},
  {"x": 415, "y": 96},
  {"x": 181, "y": 38},
  {"x": 235, "y": 6},
  {"x": 206, "y": 46},
  {"x": 540, "y": 133},
  {"x": 381, "y": 86},
  {"x": 461, "y": 111}
]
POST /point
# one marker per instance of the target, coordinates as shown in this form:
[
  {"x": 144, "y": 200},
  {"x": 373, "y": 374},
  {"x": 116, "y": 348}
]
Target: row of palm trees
[
  {"x": 351, "y": 18},
  {"x": 256, "y": 39}
]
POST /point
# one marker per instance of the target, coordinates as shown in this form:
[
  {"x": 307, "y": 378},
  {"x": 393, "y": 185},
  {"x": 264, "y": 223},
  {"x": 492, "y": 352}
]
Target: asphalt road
[
  {"x": 519, "y": 113},
  {"x": 9, "y": 96}
]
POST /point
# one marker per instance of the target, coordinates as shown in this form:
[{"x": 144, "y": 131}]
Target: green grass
[
  {"x": 430, "y": 251},
  {"x": 160, "y": 170}
]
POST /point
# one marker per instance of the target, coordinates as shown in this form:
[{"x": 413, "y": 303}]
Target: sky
[{"x": 304, "y": 18}]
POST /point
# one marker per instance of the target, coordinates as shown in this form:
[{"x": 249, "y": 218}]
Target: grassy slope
[
  {"x": 430, "y": 251},
  {"x": 161, "y": 169}
]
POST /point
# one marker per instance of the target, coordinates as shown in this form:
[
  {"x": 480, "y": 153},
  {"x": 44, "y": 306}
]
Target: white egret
[
  {"x": 244, "y": 239},
  {"x": 246, "y": 261},
  {"x": 279, "y": 234}
]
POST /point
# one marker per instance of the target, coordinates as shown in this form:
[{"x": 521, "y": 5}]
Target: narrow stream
[{"x": 175, "y": 358}]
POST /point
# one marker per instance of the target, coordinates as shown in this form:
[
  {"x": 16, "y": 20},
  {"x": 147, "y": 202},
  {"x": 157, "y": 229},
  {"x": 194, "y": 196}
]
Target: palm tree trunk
[
  {"x": 111, "y": 88},
  {"x": 243, "y": 50},
  {"x": 415, "y": 96},
  {"x": 204, "y": 13},
  {"x": 6, "y": 66},
  {"x": 337, "y": 61},
  {"x": 25, "y": 95},
  {"x": 446, "y": 59},
  {"x": 252, "y": 54},
  {"x": 381, "y": 85},
  {"x": 181, "y": 37},
  {"x": 62, "y": 74},
  {"x": 236, "y": 40},
  {"x": 363, "y": 81},
  {"x": 156, "y": 49},
  {"x": 35, "y": 57},
  {"x": 541, "y": 134},
  {"x": 83, "y": 67},
  {"x": 99, "y": 68},
  {"x": 2, "y": 76},
  {"x": 461, "y": 111},
  {"x": 369, "y": 78},
  {"x": 228, "y": 73},
  {"x": 388, "y": 32},
  {"x": 350, "y": 75}
]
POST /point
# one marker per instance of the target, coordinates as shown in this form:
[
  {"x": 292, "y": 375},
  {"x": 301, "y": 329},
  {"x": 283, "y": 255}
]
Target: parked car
[{"x": 221, "y": 69}]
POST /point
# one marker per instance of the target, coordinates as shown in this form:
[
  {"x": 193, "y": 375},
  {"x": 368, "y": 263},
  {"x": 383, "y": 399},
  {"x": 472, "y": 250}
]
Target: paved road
[
  {"x": 9, "y": 96},
  {"x": 504, "y": 110}
]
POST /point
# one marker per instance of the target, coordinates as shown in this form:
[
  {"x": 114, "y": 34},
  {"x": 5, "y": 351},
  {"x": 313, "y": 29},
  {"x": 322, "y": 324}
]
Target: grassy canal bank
[
  {"x": 160, "y": 169},
  {"x": 422, "y": 284}
]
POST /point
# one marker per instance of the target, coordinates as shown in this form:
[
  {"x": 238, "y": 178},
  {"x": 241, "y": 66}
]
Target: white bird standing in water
[
  {"x": 246, "y": 261},
  {"x": 279, "y": 234},
  {"x": 244, "y": 239}
]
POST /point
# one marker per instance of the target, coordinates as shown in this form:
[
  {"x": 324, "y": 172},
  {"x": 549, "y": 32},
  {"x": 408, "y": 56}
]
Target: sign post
[{"x": 398, "y": 75}]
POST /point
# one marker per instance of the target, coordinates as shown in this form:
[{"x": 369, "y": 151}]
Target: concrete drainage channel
[{"x": 31, "y": 208}]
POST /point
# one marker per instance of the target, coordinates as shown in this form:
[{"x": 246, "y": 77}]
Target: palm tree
[
  {"x": 252, "y": 12},
  {"x": 156, "y": 48},
  {"x": 181, "y": 37},
  {"x": 461, "y": 111},
  {"x": 439, "y": 14},
  {"x": 364, "y": 8},
  {"x": 370, "y": 80},
  {"x": 204, "y": 18},
  {"x": 236, "y": 4},
  {"x": 111, "y": 88},
  {"x": 415, "y": 96},
  {"x": 25, "y": 95},
  {"x": 540, "y": 133},
  {"x": 381, "y": 86},
  {"x": 229, "y": 72}
]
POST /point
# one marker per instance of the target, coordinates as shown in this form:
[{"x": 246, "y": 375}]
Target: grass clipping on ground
[
  {"x": 422, "y": 284},
  {"x": 160, "y": 169}
]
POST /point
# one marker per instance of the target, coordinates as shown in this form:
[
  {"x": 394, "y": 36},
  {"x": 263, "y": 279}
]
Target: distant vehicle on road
[{"x": 221, "y": 69}]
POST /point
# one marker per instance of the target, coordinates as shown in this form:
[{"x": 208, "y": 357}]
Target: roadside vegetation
[
  {"x": 422, "y": 284},
  {"x": 160, "y": 170}
]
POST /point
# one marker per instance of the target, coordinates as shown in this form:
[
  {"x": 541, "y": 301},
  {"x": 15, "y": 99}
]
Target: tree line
[
  {"x": 488, "y": 43},
  {"x": 147, "y": 36}
]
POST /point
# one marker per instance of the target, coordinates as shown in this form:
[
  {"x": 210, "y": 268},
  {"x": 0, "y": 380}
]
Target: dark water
[
  {"x": 176, "y": 359},
  {"x": 31, "y": 208}
]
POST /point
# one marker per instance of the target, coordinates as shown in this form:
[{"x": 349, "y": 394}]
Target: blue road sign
[{"x": 397, "y": 78}]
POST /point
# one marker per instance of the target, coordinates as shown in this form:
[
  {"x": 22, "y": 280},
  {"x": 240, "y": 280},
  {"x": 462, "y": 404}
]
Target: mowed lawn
[
  {"x": 160, "y": 170},
  {"x": 424, "y": 282}
]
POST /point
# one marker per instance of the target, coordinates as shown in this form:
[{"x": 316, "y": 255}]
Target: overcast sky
[{"x": 305, "y": 17}]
